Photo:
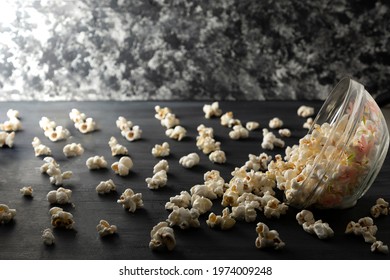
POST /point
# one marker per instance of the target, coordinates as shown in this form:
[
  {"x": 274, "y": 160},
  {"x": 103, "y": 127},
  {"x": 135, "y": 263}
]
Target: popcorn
[
  {"x": 96, "y": 162},
  {"x": 203, "y": 190},
  {"x": 170, "y": 121},
  {"x": 158, "y": 180},
  {"x": 105, "y": 187},
  {"x": 201, "y": 203},
  {"x": 204, "y": 131},
  {"x": 227, "y": 119},
  {"x": 275, "y": 123},
  {"x": 162, "y": 236},
  {"x": 7, "y": 139},
  {"x": 246, "y": 210},
  {"x": 214, "y": 182},
  {"x": 217, "y": 156},
  {"x": 189, "y": 160},
  {"x": 13, "y": 123},
  {"x": 212, "y": 110},
  {"x": 378, "y": 246},
  {"x": 131, "y": 200},
  {"x": 123, "y": 124},
  {"x": 161, "y": 165},
  {"x": 6, "y": 214},
  {"x": 380, "y": 208},
  {"x": 285, "y": 132},
  {"x": 310, "y": 225},
  {"x": 59, "y": 196},
  {"x": 226, "y": 221},
  {"x": 268, "y": 238},
  {"x": 207, "y": 144},
  {"x": 305, "y": 111},
  {"x": 252, "y": 126},
  {"x": 181, "y": 200},
  {"x": 52, "y": 131},
  {"x": 48, "y": 237},
  {"x": 123, "y": 166},
  {"x": 27, "y": 191},
  {"x": 73, "y": 150},
  {"x": 132, "y": 134},
  {"x": 161, "y": 112},
  {"x": 183, "y": 217},
  {"x": 39, "y": 148},
  {"x": 104, "y": 228},
  {"x": 161, "y": 150},
  {"x": 238, "y": 132},
  {"x": 230, "y": 196},
  {"x": 364, "y": 227},
  {"x": 177, "y": 133},
  {"x": 81, "y": 122},
  {"x": 270, "y": 140},
  {"x": 308, "y": 123},
  {"x": 116, "y": 148},
  {"x": 61, "y": 218},
  {"x": 274, "y": 208},
  {"x": 52, "y": 168},
  {"x": 257, "y": 163}
]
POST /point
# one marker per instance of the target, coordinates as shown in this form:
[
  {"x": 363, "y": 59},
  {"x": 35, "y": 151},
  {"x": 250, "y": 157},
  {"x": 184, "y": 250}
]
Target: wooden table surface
[{"x": 21, "y": 239}]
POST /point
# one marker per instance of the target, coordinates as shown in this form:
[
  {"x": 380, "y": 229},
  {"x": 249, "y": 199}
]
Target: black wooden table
[{"x": 19, "y": 167}]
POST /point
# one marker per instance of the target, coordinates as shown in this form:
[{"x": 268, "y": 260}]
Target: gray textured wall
[{"x": 183, "y": 49}]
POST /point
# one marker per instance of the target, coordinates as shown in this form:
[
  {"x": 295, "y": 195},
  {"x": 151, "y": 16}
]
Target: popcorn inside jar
[{"x": 337, "y": 161}]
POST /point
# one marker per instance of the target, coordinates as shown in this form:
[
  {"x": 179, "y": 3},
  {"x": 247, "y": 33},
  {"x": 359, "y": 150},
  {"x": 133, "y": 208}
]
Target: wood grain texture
[{"x": 21, "y": 239}]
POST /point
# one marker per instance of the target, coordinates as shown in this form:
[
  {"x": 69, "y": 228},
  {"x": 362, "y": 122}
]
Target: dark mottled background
[{"x": 183, "y": 49}]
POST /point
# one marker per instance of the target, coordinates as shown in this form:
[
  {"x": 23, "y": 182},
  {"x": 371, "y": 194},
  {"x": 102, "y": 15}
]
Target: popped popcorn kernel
[
  {"x": 123, "y": 124},
  {"x": 310, "y": 225},
  {"x": 162, "y": 236},
  {"x": 39, "y": 148},
  {"x": 61, "y": 218},
  {"x": 308, "y": 123},
  {"x": 59, "y": 196},
  {"x": 270, "y": 140},
  {"x": 6, "y": 214},
  {"x": 201, "y": 203},
  {"x": 257, "y": 163},
  {"x": 212, "y": 110},
  {"x": 268, "y": 238},
  {"x": 228, "y": 120},
  {"x": 378, "y": 246},
  {"x": 238, "y": 132},
  {"x": 252, "y": 126},
  {"x": 162, "y": 150},
  {"x": 305, "y": 111},
  {"x": 130, "y": 200},
  {"x": 96, "y": 162},
  {"x": 364, "y": 227},
  {"x": 285, "y": 132},
  {"x": 224, "y": 221},
  {"x": 189, "y": 160},
  {"x": 116, "y": 148},
  {"x": 105, "y": 187},
  {"x": 380, "y": 208},
  {"x": 183, "y": 217},
  {"x": 123, "y": 166},
  {"x": 52, "y": 168},
  {"x": 161, "y": 165},
  {"x": 13, "y": 123},
  {"x": 275, "y": 123},
  {"x": 181, "y": 200},
  {"x": 104, "y": 228},
  {"x": 48, "y": 237},
  {"x": 217, "y": 156},
  {"x": 158, "y": 180},
  {"x": 176, "y": 133},
  {"x": 27, "y": 191},
  {"x": 73, "y": 150},
  {"x": 7, "y": 139},
  {"x": 132, "y": 134},
  {"x": 161, "y": 112}
]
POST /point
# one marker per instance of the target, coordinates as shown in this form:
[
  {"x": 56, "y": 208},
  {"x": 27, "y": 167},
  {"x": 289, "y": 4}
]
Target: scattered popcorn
[
  {"x": 123, "y": 166},
  {"x": 181, "y": 200},
  {"x": 380, "y": 208},
  {"x": 270, "y": 140},
  {"x": 73, "y": 150},
  {"x": 207, "y": 144},
  {"x": 177, "y": 133},
  {"x": 238, "y": 132},
  {"x": 131, "y": 200},
  {"x": 203, "y": 190},
  {"x": 212, "y": 110},
  {"x": 76, "y": 116},
  {"x": 158, "y": 180},
  {"x": 53, "y": 132},
  {"x": 105, "y": 187},
  {"x": 132, "y": 134},
  {"x": 162, "y": 236},
  {"x": 61, "y": 218},
  {"x": 228, "y": 120},
  {"x": 305, "y": 111},
  {"x": 6, "y": 214},
  {"x": 268, "y": 238},
  {"x": 161, "y": 150},
  {"x": 27, "y": 191},
  {"x": 217, "y": 157},
  {"x": 364, "y": 227},
  {"x": 257, "y": 163},
  {"x": 39, "y": 148},
  {"x": 104, "y": 228},
  {"x": 48, "y": 237},
  {"x": 47, "y": 124},
  {"x": 310, "y": 225},
  {"x": 7, "y": 139},
  {"x": 275, "y": 123},
  {"x": 116, "y": 148},
  {"x": 308, "y": 123},
  {"x": 161, "y": 112},
  {"x": 183, "y": 217},
  {"x": 161, "y": 165},
  {"x": 189, "y": 160},
  {"x": 252, "y": 126},
  {"x": 170, "y": 121},
  {"x": 52, "y": 168},
  {"x": 226, "y": 221},
  {"x": 13, "y": 123},
  {"x": 96, "y": 162},
  {"x": 123, "y": 124},
  {"x": 378, "y": 246},
  {"x": 201, "y": 203},
  {"x": 285, "y": 132},
  {"x": 81, "y": 122},
  {"x": 59, "y": 196}
]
